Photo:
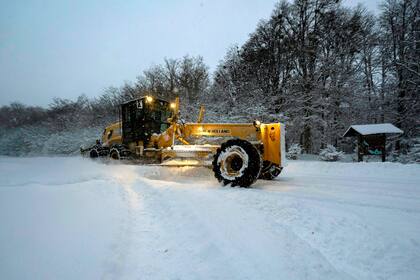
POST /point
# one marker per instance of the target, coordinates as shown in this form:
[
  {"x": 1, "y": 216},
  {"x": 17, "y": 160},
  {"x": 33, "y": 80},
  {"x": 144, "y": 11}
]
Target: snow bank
[{"x": 36, "y": 141}]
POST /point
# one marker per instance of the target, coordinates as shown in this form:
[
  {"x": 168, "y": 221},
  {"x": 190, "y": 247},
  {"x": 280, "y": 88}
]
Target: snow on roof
[{"x": 367, "y": 129}]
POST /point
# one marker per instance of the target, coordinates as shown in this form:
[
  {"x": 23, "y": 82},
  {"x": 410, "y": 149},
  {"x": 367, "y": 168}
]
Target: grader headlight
[
  {"x": 149, "y": 99},
  {"x": 173, "y": 105},
  {"x": 257, "y": 125}
]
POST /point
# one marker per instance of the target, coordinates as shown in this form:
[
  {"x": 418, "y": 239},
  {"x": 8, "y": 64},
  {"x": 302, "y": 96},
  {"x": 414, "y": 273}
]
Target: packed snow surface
[{"x": 73, "y": 218}]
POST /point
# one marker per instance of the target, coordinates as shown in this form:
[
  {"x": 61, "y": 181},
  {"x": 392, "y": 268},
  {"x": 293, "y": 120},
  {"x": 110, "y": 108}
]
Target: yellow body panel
[
  {"x": 268, "y": 134},
  {"x": 271, "y": 139},
  {"x": 246, "y": 131},
  {"x": 112, "y": 135},
  {"x": 165, "y": 139}
]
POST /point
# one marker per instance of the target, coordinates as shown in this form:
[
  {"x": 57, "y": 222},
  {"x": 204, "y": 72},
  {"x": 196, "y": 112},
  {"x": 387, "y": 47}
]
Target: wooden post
[
  {"x": 359, "y": 148},
  {"x": 384, "y": 148}
]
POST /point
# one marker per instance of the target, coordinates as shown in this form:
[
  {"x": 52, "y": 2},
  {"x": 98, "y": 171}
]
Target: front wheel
[
  {"x": 114, "y": 154},
  {"x": 237, "y": 162},
  {"x": 93, "y": 153},
  {"x": 118, "y": 152}
]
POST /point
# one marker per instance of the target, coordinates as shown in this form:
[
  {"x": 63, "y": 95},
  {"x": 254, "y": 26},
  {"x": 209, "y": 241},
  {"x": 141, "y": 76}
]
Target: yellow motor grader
[{"x": 150, "y": 131}]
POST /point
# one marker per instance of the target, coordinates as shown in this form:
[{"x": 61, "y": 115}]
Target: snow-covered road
[{"x": 73, "y": 218}]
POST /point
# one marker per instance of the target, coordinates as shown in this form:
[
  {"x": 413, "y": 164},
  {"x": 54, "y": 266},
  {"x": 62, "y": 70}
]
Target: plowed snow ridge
[{"x": 73, "y": 218}]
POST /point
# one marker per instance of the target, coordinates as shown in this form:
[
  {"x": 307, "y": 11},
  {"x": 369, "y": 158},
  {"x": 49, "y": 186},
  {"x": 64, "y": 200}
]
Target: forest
[{"x": 315, "y": 65}]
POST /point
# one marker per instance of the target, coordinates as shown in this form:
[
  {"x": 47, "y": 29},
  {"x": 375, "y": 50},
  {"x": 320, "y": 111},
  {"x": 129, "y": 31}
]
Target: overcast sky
[{"x": 66, "y": 48}]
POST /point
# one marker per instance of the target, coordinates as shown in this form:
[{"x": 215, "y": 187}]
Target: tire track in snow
[
  {"x": 232, "y": 239},
  {"x": 116, "y": 264}
]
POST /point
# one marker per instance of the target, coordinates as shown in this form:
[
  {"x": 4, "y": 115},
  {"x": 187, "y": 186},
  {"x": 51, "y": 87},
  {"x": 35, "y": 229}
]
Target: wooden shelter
[{"x": 371, "y": 138}]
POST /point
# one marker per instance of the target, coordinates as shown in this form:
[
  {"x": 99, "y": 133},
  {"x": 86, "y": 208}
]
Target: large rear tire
[{"x": 237, "y": 162}]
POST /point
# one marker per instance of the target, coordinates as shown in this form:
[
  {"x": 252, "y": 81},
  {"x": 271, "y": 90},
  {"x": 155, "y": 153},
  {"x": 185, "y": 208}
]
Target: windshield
[{"x": 159, "y": 111}]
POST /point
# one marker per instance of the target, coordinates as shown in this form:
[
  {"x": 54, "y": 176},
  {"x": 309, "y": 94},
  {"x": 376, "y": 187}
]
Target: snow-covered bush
[
  {"x": 294, "y": 151},
  {"x": 414, "y": 152},
  {"x": 330, "y": 153},
  {"x": 411, "y": 156}
]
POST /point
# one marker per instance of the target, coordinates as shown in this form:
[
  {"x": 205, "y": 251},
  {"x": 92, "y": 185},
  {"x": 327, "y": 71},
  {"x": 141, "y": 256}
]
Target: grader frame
[{"x": 204, "y": 144}]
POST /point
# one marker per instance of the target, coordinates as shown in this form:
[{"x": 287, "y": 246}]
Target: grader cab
[{"x": 150, "y": 131}]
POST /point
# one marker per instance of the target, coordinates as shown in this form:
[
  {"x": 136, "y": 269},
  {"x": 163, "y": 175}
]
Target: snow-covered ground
[{"x": 73, "y": 218}]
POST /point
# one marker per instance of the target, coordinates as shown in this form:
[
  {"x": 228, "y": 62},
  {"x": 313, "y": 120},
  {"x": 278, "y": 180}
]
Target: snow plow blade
[{"x": 188, "y": 155}]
